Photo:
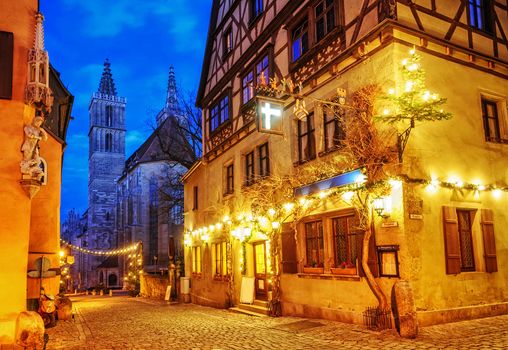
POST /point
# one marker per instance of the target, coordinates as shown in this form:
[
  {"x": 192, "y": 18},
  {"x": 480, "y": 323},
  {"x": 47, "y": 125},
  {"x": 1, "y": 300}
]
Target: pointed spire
[
  {"x": 107, "y": 85},
  {"x": 39, "y": 32},
  {"x": 171, "y": 106}
]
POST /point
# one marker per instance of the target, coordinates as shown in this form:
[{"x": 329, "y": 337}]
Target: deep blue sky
[{"x": 141, "y": 38}]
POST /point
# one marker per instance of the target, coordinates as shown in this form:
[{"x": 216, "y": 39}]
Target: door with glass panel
[{"x": 260, "y": 269}]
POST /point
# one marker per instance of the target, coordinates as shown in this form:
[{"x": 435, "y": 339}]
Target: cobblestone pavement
[{"x": 103, "y": 322}]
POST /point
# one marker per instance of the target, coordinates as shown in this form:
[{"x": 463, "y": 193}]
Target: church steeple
[
  {"x": 107, "y": 85},
  {"x": 171, "y": 107}
]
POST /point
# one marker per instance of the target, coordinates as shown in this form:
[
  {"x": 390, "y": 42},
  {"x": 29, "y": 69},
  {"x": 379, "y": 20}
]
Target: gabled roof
[
  {"x": 110, "y": 262},
  {"x": 208, "y": 52}
]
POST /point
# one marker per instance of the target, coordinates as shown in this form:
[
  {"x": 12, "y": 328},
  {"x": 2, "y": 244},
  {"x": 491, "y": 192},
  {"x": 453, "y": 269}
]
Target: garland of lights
[
  {"x": 119, "y": 251},
  {"x": 242, "y": 222}
]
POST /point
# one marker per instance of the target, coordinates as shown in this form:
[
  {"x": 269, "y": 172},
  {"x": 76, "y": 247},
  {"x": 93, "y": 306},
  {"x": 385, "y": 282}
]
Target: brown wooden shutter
[
  {"x": 451, "y": 237},
  {"x": 289, "y": 261},
  {"x": 489, "y": 240},
  {"x": 6, "y": 56}
]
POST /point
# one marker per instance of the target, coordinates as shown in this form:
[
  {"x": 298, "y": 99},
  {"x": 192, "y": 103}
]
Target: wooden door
[{"x": 260, "y": 269}]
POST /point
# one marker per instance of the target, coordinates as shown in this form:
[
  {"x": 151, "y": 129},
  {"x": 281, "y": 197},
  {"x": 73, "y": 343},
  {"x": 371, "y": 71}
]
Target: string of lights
[
  {"x": 119, "y": 251},
  {"x": 241, "y": 228}
]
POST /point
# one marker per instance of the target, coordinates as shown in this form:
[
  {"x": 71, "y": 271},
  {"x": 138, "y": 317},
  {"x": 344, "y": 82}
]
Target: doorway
[{"x": 260, "y": 270}]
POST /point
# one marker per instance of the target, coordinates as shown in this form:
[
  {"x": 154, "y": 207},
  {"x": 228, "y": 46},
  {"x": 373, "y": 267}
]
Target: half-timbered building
[{"x": 444, "y": 233}]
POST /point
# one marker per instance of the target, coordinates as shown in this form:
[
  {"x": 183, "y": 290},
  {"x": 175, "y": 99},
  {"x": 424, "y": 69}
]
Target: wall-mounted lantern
[{"x": 382, "y": 206}]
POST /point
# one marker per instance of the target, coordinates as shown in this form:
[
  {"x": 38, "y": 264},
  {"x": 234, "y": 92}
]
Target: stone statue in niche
[{"x": 30, "y": 165}]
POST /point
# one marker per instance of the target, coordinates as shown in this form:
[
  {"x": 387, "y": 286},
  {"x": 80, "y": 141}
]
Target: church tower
[{"x": 106, "y": 161}]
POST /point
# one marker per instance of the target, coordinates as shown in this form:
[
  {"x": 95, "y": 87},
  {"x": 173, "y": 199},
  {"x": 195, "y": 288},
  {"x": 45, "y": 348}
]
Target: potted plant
[
  {"x": 314, "y": 268},
  {"x": 344, "y": 268}
]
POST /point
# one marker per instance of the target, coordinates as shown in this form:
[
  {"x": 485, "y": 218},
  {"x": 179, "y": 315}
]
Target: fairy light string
[
  {"x": 120, "y": 251},
  {"x": 241, "y": 225}
]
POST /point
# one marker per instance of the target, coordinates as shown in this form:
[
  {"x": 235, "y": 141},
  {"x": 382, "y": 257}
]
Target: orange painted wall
[{"x": 15, "y": 206}]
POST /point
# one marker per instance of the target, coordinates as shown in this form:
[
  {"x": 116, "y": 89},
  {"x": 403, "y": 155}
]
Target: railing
[{"x": 109, "y": 97}]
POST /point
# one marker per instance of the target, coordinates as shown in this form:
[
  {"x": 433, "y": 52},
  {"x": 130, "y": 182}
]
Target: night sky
[{"x": 141, "y": 38}]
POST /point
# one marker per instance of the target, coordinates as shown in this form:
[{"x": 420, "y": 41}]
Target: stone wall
[{"x": 153, "y": 286}]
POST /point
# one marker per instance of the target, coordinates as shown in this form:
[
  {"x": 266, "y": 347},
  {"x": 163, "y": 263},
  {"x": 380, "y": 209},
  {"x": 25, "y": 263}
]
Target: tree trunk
[{"x": 371, "y": 281}]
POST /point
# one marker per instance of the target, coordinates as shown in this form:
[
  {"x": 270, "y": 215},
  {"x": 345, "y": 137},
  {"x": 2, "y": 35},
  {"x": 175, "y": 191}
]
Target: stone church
[{"x": 135, "y": 200}]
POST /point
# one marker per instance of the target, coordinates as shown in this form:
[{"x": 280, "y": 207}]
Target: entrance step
[{"x": 258, "y": 308}]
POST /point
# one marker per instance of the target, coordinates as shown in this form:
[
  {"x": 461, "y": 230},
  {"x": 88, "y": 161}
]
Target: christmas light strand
[
  {"x": 241, "y": 225},
  {"x": 119, "y": 251}
]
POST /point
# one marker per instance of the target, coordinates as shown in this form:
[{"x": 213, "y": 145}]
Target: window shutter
[
  {"x": 451, "y": 236},
  {"x": 372, "y": 261},
  {"x": 489, "y": 240},
  {"x": 6, "y": 59},
  {"x": 289, "y": 263}
]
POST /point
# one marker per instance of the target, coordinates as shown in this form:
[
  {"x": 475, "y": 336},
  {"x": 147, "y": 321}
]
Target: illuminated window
[
  {"x": 481, "y": 15},
  {"x": 314, "y": 243},
  {"x": 219, "y": 113},
  {"x": 258, "y": 74},
  {"x": 196, "y": 260},
  {"x": 300, "y": 40},
  {"x": 324, "y": 13},
  {"x": 248, "y": 87},
  {"x": 306, "y": 139},
  {"x": 219, "y": 259}
]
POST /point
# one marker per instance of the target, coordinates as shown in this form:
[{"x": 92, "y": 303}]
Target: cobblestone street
[{"x": 136, "y": 323}]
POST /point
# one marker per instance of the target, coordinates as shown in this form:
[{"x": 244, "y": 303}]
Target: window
[
  {"x": 465, "y": 240},
  {"x": 109, "y": 115},
  {"x": 219, "y": 259},
  {"x": 480, "y": 15},
  {"x": 248, "y": 87},
  {"x": 219, "y": 113},
  {"x": 256, "y": 8},
  {"x": 314, "y": 243},
  {"x": 324, "y": 13},
  {"x": 462, "y": 233},
  {"x": 264, "y": 160},
  {"x": 195, "y": 198},
  {"x": 300, "y": 40},
  {"x": 227, "y": 42},
  {"x": 249, "y": 168},
  {"x": 347, "y": 241},
  {"x": 333, "y": 132},
  {"x": 491, "y": 121},
  {"x": 6, "y": 61},
  {"x": 306, "y": 139},
  {"x": 196, "y": 260},
  {"x": 260, "y": 70},
  {"x": 109, "y": 142},
  {"x": 230, "y": 177}
]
